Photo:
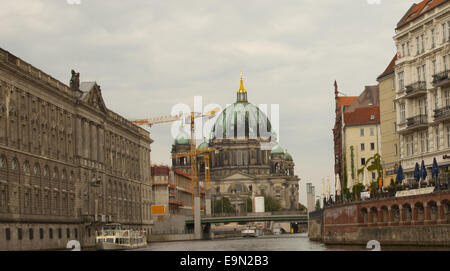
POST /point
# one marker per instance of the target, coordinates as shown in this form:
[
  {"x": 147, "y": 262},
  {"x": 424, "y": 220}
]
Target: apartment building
[
  {"x": 390, "y": 142},
  {"x": 423, "y": 86}
]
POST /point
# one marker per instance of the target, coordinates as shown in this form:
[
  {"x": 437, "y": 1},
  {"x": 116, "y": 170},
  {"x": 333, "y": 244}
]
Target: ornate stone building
[
  {"x": 422, "y": 92},
  {"x": 242, "y": 167},
  {"x": 67, "y": 162}
]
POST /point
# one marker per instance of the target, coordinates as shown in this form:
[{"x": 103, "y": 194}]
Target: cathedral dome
[
  {"x": 203, "y": 145},
  {"x": 277, "y": 150},
  {"x": 183, "y": 138},
  {"x": 288, "y": 157},
  {"x": 242, "y": 119}
]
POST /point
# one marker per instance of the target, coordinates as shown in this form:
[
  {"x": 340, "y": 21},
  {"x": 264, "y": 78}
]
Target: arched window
[
  {"x": 3, "y": 162},
  {"x": 14, "y": 164},
  {"x": 55, "y": 173},
  {"x": 26, "y": 168},
  {"x": 36, "y": 169},
  {"x": 46, "y": 171},
  {"x": 64, "y": 175}
]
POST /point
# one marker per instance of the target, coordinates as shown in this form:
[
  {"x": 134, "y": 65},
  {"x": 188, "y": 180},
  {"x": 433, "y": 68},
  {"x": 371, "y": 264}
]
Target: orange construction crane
[{"x": 193, "y": 152}]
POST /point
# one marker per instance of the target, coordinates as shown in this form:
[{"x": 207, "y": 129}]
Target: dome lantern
[{"x": 241, "y": 93}]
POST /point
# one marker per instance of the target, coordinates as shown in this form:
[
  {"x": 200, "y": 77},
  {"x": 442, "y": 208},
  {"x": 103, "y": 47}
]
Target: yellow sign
[{"x": 158, "y": 209}]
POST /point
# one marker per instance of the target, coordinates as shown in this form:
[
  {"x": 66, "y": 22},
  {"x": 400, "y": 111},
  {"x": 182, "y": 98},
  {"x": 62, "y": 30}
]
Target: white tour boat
[
  {"x": 251, "y": 231},
  {"x": 116, "y": 237}
]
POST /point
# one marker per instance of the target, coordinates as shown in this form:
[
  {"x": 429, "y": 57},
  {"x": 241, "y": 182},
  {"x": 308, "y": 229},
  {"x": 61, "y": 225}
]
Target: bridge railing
[{"x": 258, "y": 214}]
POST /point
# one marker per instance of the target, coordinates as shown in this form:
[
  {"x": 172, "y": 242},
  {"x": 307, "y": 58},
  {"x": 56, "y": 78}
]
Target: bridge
[{"x": 299, "y": 217}]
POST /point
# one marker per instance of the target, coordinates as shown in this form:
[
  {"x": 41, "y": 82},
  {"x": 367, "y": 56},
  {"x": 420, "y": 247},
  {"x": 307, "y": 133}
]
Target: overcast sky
[{"x": 150, "y": 55}]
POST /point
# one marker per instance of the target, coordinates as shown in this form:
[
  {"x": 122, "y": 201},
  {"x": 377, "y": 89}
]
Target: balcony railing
[
  {"x": 417, "y": 88},
  {"x": 442, "y": 113},
  {"x": 417, "y": 121},
  {"x": 441, "y": 78}
]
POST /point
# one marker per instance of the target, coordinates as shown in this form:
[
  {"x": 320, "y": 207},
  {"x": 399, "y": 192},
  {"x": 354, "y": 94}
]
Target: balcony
[
  {"x": 441, "y": 79},
  {"x": 417, "y": 122},
  {"x": 442, "y": 113},
  {"x": 416, "y": 89}
]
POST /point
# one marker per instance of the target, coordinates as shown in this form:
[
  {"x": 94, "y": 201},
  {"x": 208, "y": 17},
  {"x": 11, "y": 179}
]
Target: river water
[{"x": 284, "y": 242}]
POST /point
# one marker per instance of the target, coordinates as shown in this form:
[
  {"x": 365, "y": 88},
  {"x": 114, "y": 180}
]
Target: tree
[
  {"x": 375, "y": 166},
  {"x": 223, "y": 205},
  {"x": 271, "y": 204},
  {"x": 249, "y": 205},
  {"x": 345, "y": 181},
  {"x": 317, "y": 204},
  {"x": 356, "y": 189},
  {"x": 352, "y": 161},
  {"x": 301, "y": 207}
]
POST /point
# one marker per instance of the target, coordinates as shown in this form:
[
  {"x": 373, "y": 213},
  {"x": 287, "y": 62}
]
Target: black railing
[
  {"x": 416, "y": 87},
  {"x": 439, "y": 77},
  {"x": 273, "y": 213},
  {"x": 441, "y": 184},
  {"x": 417, "y": 120},
  {"x": 442, "y": 112}
]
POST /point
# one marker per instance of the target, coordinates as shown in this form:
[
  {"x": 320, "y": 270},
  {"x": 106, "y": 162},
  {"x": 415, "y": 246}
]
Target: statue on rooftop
[{"x": 75, "y": 81}]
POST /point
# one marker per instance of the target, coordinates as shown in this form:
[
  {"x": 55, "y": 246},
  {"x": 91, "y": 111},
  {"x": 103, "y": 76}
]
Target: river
[{"x": 284, "y": 242}]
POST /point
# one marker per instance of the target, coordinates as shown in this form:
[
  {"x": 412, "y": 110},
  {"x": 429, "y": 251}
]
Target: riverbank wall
[
  {"x": 419, "y": 220},
  {"x": 315, "y": 225}
]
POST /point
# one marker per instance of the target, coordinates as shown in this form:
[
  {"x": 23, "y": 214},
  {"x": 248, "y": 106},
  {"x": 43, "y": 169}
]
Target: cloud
[{"x": 150, "y": 55}]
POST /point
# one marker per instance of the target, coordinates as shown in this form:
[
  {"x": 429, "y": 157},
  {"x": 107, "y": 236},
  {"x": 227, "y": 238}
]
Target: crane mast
[{"x": 193, "y": 152}]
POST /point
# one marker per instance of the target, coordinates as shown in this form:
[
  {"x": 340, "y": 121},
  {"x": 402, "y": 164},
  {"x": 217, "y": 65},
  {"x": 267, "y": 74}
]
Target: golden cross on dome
[{"x": 241, "y": 74}]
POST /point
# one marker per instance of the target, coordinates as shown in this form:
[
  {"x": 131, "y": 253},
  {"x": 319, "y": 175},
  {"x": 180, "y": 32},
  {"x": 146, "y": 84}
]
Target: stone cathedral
[{"x": 243, "y": 165}]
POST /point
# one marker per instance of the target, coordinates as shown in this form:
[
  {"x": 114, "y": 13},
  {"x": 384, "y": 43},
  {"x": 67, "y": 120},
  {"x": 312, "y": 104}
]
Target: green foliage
[
  {"x": 301, "y": 207},
  {"x": 374, "y": 185},
  {"x": 376, "y": 166},
  {"x": 271, "y": 204},
  {"x": 352, "y": 162},
  {"x": 345, "y": 171},
  {"x": 223, "y": 205},
  {"x": 357, "y": 188},
  {"x": 249, "y": 205},
  {"x": 317, "y": 204},
  {"x": 346, "y": 193}
]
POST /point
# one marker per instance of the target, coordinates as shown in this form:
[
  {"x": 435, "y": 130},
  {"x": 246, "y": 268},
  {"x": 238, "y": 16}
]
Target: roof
[
  {"x": 277, "y": 150},
  {"x": 182, "y": 173},
  {"x": 183, "y": 138},
  {"x": 390, "y": 68},
  {"x": 345, "y": 100},
  {"x": 416, "y": 10},
  {"x": 160, "y": 171},
  {"x": 369, "y": 97},
  {"x": 288, "y": 157},
  {"x": 363, "y": 116},
  {"x": 203, "y": 145}
]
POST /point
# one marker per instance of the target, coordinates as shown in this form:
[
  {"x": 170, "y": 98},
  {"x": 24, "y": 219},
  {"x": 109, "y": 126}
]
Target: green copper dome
[
  {"x": 203, "y": 145},
  {"x": 277, "y": 150},
  {"x": 288, "y": 157},
  {"x": 183, "y": 138},
  {"x": 240, "y": 120}
]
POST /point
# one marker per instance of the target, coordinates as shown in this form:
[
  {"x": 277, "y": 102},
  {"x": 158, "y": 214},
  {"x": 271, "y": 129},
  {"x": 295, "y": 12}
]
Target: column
[
  {"x": 402, "y": 215},
  {"x": 101, "y": 145},
  {"x": 414, "y": 211},
  {"x": 380, "y": 218},
  {"x": 440, "y": 213},
  {"x": 86, "y": 139},
  {"x": 427, "y": 214},
  {"x": 78, "y": 137},
  {"x": 390, "y": 216}
]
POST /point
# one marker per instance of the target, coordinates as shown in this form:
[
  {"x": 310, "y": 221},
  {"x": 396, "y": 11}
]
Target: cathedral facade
[{"x": 241, "y": 168}]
